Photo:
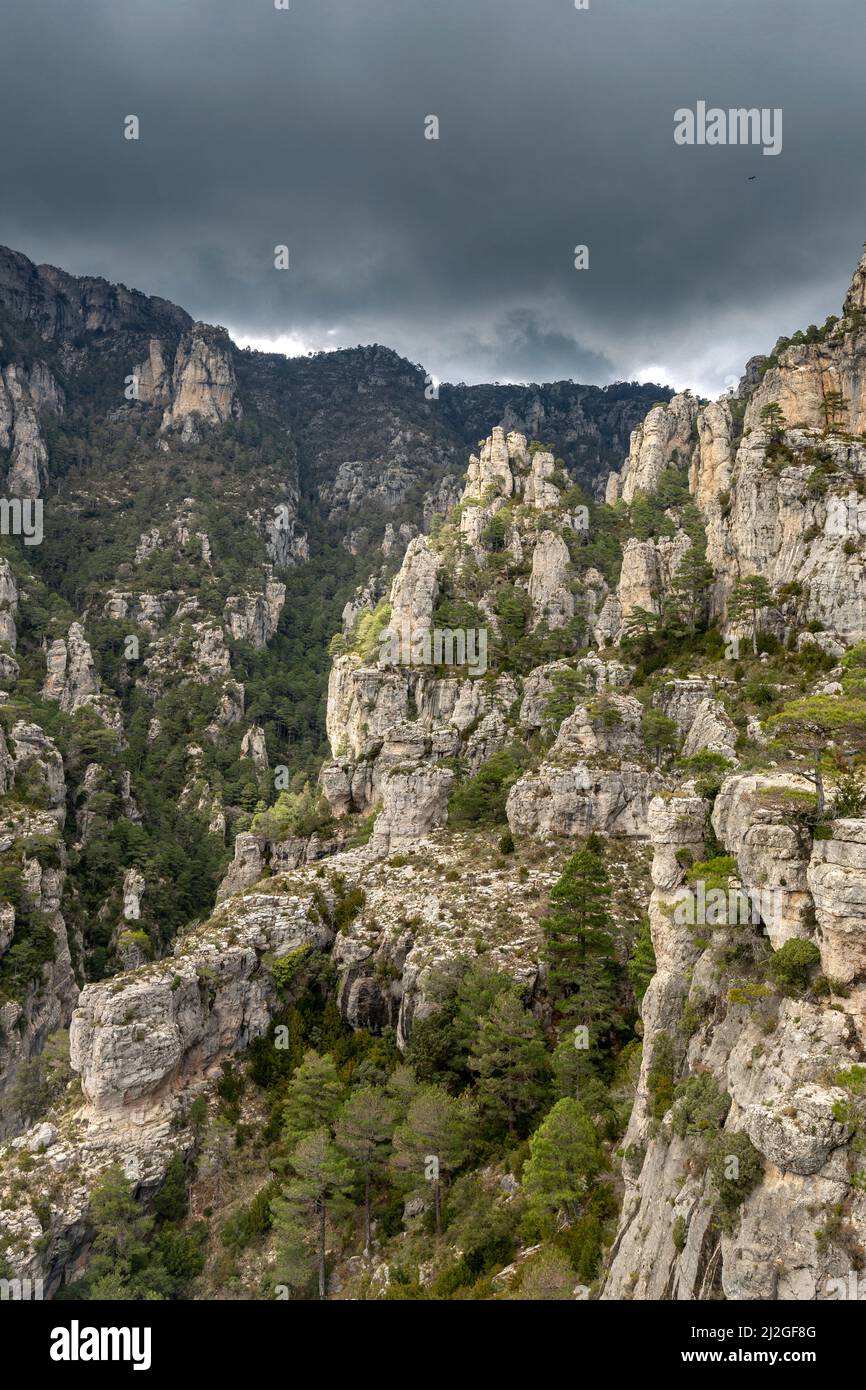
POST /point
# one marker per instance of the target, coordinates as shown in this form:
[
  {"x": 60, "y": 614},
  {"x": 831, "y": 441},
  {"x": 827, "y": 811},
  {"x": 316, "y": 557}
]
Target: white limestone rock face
[
  {"x": 837, "y": 881},
  {"x": 807, "y": 372},
  {"x": 647, "y": 570},
  {"x": 254, "y": 618},
  {"x": 778, "y": 526},
  {"x": 713, "y": 460},
  {"x": 256, "y": 856},
  {"x": 414, "y": 591},
  {"x": 539, "y": 492},
  {"x": 798, "y": 1132},
  {"x": 665, "y": 437},
  {"x": 413, "y": 804},
  {"x": 254, "y": 747},
  {"x": 550, "y": 582},
  {"x": 592, "y": 777},
  {"x": 247, "y": 866},
  {"x": 8, "y": 605},
  {"x": 179, "y": 1018},
  {"x": 380, "y": 719},
  {"x": 577, "y": 800},
  {"x": 711, "y": 730},
  {"x": 72, "y": 681},
  {"x": 680, "y": 700},
  {"x": 37, "y": 759},
  {"x": 31, "y": 762},
  {"x": 286, "y": 545},
  {"x": 22, "y": 396},
  {"x": 151, "y": 379},
  {"x": 133, "y": 892},
  {"x": 541, "y": 684},
  {"x": 493, "y": 470},
  {"x": 209, "y": 663},
  {"x": 780, "y": 1062},
  {"x": 766, "y": 516},
  {"x": 772, "y": 855},
  {"x": 203, "y": 387}
]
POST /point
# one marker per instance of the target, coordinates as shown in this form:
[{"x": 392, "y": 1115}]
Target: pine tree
[
  {"x": 809, "y": 725},
  {"x": 642, "y": 961},
  {"x": 641, "y": 626},
  {"x": 565, "y": 1156},
  {"x": 578, "y": 926},
  {"x": 834, "y": 405},
  {"x": 747, "y": 599},
  {"x": 660, "y": 734},
  {"x": 363, "y": 1131},
  {"x": 313, "y": 1098},
  {"x": 579, "y": 949},
  {"x": 435, "y": 1139},
  {"x": 772, "y": 416},
  {"x": 321, "y": 1181},
  {"x": 510, "y": 1061},
  {"x": 687, "y": 599}
]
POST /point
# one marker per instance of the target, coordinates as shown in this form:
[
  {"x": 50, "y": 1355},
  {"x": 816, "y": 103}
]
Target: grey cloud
[{"x": 261, "y": 127}]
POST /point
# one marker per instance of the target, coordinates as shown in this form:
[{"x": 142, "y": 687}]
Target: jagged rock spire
[{"x": 855, "y": 299}]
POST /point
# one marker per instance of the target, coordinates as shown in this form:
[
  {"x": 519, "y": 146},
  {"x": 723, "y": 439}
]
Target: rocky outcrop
[
  {"x": 61, "y": 307},
  {"x": 38, "y": 766},
  {"x": 712, "y": 730},
  {"x": 254, "y": 618},
  {"x": 549, "y": 583},
  {"x": 414, "y": 592},
  {"x": 71, "y": 678},
  {"x": 777, "y": 1065},
  {"x": 666, "y": 437},
  {"x": 203, "y": 388},
  {"x": 254, "y": 747},
  {"x": 257, "y": 857},
  {"x": 286, "y": 545},
  {"x": 836, "y": 879},
  {"x": 592, "y": 778},
  {"x": 413, "y": 804},
  {"x": 8, "y": 605},
  {"x": 207, "y": 663},
  {"x": 31, "y": 1010},
  {"x": 380, "y": 719},
  {"x": 177, "y": 1020},
  {"x": 23, "y": 395}
]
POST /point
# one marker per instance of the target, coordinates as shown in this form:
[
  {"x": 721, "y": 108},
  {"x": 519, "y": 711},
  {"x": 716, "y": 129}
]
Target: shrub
[
  {"x": 792, "y": 964},
  {"x": 849, "y": 798},
  {"x": 660, "y": 1077},
  {"x": 736, "y": 1167},
  {"x": 285, "y": 968},
  {"x": 294, "y": 813},
  {"x": 700, "y": 1105},
  {"x": 708, "y": 769},
  {"x": 480, "y": 800}
]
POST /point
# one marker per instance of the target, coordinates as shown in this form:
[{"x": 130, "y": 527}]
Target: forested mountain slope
[{"x": 461, "y": 899}]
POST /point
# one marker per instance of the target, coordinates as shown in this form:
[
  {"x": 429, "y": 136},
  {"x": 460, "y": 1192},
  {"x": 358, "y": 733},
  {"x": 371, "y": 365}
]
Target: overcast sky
[{"x": 306, "y": 127}]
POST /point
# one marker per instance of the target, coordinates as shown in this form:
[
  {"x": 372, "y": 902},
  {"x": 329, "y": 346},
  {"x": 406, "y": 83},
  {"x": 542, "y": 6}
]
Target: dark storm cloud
[{"x": 306, "y": 127}]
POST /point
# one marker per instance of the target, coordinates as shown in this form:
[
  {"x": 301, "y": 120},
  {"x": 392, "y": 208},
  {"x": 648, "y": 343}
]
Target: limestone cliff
[{"x": 728, "y": 1056}]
